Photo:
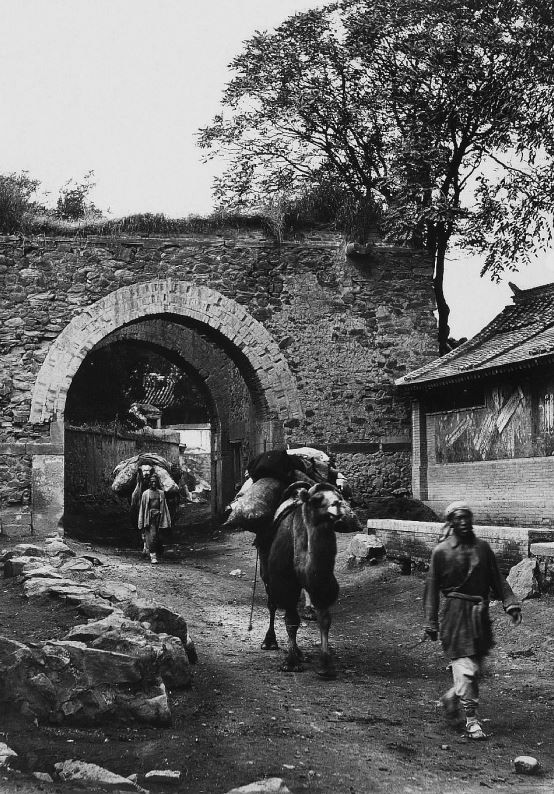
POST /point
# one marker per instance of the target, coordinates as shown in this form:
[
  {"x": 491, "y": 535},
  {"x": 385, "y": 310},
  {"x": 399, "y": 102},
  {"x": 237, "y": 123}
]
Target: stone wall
[{"x": 343, "y": 328}]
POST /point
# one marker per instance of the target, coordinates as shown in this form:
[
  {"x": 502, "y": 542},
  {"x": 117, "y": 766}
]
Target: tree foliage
[
  {"x": 403, "y": 105},
  {"x": 73, "y": 202},
  {"x": 16, "y": 199}
]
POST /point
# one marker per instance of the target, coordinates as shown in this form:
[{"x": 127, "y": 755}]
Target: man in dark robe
[{"x": 464, "y": 570}]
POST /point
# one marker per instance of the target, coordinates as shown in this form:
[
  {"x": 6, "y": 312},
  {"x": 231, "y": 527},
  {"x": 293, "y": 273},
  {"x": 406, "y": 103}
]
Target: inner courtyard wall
[{"x": 347, "y": 326}]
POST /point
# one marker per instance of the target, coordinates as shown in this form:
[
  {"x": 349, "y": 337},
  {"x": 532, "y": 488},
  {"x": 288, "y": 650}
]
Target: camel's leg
[
  {"x": 293, "y": 660},
  {"x": 270, "y": 640},
  {"x": 308, "y": 611},
  {"x": 326, "y": 666}
]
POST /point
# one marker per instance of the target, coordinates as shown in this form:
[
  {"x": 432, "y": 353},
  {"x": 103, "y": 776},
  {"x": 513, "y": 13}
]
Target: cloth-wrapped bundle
[
  {"x": 126, "y": 473},
  {"x": 255, "y": 505}
]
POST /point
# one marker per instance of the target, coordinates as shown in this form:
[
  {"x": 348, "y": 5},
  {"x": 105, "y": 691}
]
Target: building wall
[
  {"x": 516, "y": 492},
  {"x": 345, "y": 327},
  {"x": 492, "y": 455}
]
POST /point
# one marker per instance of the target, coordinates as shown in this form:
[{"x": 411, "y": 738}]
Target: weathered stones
[
  {"x": 544, "y": 555},
  {"x": 43, "y": 777},
  {"x": 14, "y": 566},
  {"x": 269, "y": 785},
  {"x": 159, "y": 618},
  {"x": 85, "y": 775},
  {"x": 40, "y": 586},
  {"x": 365, "y": 549},
  {"x": 113, "y": 668},
  {"x": 163, "y": 654},
  {"x": 67, "y": 682},
  {"x": 523, "y": 579},
  {"x": 163, "y": 776},
  {"x": 526, "y": 765},
  {"x": 7, "y": 755},
  {"x": 116, "y": 591},
  {"x": 24, "y": 550}
]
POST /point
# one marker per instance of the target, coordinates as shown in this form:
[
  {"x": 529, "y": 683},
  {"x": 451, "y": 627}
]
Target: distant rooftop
[{"x": 522, "y": 335}]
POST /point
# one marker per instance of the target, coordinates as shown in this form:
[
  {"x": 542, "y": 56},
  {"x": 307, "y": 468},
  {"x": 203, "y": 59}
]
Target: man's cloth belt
[{"x": 477, "y": 612}]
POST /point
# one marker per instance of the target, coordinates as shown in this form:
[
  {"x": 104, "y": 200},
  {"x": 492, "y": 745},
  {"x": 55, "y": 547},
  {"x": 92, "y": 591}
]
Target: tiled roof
[{"x": 521, "y": 333}]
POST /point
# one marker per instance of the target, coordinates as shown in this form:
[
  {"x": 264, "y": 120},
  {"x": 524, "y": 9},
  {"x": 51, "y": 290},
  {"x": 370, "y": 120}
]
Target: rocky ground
[{"x": 373, "y": 729}]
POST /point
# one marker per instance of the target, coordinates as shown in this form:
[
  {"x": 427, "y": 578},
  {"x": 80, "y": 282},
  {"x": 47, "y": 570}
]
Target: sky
[{"x": 121, "y": 87}]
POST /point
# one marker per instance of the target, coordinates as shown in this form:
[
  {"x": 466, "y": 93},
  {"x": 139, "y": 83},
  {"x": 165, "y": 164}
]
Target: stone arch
[{"x": 245, "y": 340}]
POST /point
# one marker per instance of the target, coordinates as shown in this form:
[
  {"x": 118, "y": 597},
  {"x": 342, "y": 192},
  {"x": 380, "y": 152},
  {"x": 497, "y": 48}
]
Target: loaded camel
[{"x": 299, "y": 553}]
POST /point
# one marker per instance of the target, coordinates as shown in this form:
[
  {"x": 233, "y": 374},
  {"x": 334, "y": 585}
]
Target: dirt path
[{"x": 374, "y": 729}]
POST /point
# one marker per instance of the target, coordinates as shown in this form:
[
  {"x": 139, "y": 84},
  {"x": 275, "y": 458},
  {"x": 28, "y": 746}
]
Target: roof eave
[{"x": 476, "y": 374}]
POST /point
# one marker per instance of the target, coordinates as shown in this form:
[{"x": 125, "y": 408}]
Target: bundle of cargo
[
  {"x": 126, "y": 473},
  {"x": 268, "y": 475}
]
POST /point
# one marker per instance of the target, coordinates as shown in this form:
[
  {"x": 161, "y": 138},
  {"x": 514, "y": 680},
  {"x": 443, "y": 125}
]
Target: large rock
[
  {"x": 40, "y": 572},
  {"x": 365, "y": 548},
  {"x": 7, "y": 755},
  {"x": 84, "y": 775},
  {"x": 63, "y": 588},
  {"x": 96, "y": 608},
  {"x": 166, "y": 655},
  {"x": 115, "y": 591},
  {"x": 55, "y": 547},
  {"x": 67, "y": 682},
  {"x": 15, "y": 566},
  {"x": 269, "y": 785},
  {"x": 23, "y": 550},
  {"x": 161, "y": 620},
  {"x": 77, "y": 565},
  {"x": 523, "y": 579},
  {"x": 163, "y": 776}
]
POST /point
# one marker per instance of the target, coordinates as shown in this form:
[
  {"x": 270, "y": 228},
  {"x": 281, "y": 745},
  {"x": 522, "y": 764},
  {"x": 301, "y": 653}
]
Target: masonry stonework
[{"x": 317, "y": 337}]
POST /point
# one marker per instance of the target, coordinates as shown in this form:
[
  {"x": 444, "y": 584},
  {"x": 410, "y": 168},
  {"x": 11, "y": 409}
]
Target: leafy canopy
[{"x": 402, "y": 105}]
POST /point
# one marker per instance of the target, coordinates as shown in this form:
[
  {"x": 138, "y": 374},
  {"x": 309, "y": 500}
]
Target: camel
[{"x": 297, "y": 553}]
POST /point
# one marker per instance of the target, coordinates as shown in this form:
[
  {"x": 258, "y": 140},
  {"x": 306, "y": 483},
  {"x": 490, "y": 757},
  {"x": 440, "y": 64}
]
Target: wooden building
[{"x": 483, "y": 418}]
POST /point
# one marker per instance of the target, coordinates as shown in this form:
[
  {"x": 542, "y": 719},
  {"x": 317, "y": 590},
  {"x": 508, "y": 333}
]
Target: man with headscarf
[
  {"x": 153, "y": 516},
  {"x": 465, "y": 571}
]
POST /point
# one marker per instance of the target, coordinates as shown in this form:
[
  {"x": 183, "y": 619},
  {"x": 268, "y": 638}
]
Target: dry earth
[{"x": 373, "y": 729}]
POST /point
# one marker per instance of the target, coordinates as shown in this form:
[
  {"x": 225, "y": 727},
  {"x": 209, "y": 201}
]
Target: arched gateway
[{"x": 222, "y": 322}]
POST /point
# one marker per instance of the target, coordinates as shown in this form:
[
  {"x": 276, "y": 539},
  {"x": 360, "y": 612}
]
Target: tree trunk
[{"x": 441, "y": 245}]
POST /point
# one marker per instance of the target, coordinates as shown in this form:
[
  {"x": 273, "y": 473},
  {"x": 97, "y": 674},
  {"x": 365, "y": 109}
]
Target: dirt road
[{"x": 373, "y": 729}]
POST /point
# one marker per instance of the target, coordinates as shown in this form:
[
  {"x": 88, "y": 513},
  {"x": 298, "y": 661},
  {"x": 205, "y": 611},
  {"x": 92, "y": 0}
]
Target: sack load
[
  {"x": 311, "y": 453},
  {"x": 254, "y": 506},
  {"x": 315, "y": 462},
  {"x": 126, "y": 473},
  {"x": 275, "y": 463},
  {"x": 167, "y": 483},
  {"x": 151, "y": 459},
  {"x": 125, "y": 476}
]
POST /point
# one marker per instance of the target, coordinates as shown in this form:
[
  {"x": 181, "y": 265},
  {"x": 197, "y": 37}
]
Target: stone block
[
  {"x": 90, "y": 776},
  {"x": 366, "y": 547},
  {"x": 523, "y": 579}
]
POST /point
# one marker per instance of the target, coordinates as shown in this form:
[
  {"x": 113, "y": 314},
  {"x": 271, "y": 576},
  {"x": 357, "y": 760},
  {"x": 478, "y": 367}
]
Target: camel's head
[{"x": 324, "y": 502}]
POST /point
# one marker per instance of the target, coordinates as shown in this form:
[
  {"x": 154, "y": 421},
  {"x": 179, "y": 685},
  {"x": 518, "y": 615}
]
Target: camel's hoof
[
  {"x": 326, "y": 667},
  {"x": 327, "y": 673},
  {"x": 292, "y": 668},
  {"x": 309, "y": 613},
  {"x": 271, "y": 645}
]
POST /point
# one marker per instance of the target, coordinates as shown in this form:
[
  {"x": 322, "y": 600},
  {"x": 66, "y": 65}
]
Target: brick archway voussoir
[{"x": 179, "y": 298}]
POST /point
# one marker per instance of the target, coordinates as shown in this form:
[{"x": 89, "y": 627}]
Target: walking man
[
  {"x": 464, "y": 569},
  {"x": 153, "y": 516}
]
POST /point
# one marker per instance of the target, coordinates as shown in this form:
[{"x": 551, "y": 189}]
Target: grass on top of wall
[{"x": 145, "y": 223}]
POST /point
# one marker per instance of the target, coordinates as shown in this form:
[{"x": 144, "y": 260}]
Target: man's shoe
[
  {"x": 153, "y": 559},
  {"x": 474, "y": 730}
]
